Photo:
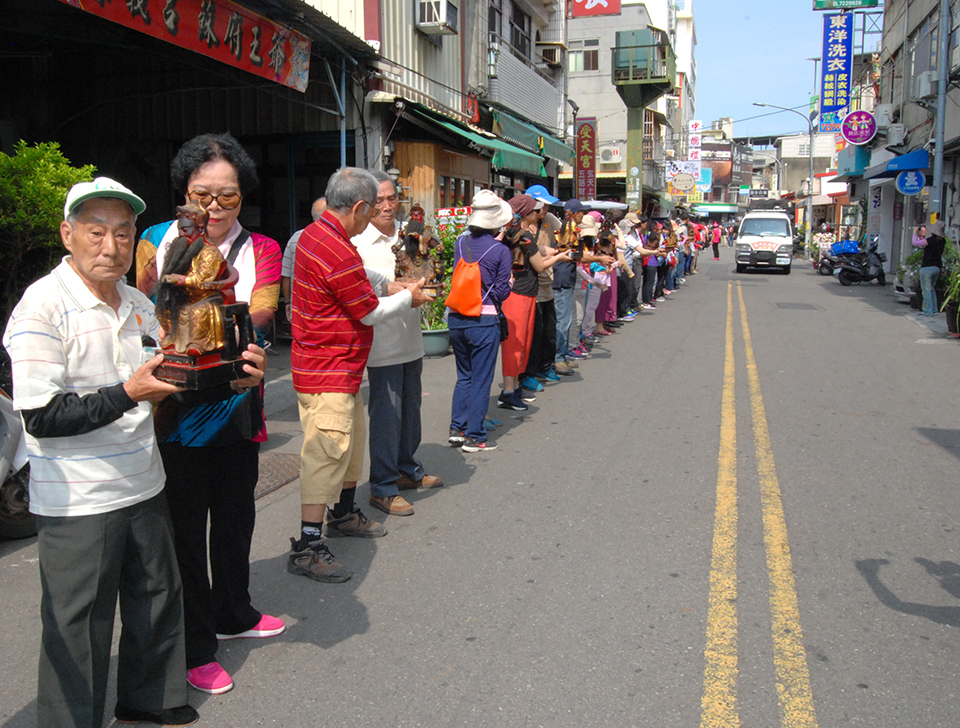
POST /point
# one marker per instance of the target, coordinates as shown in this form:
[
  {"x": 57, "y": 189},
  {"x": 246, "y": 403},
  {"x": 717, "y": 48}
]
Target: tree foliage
[{"x": 34, "y": 182}]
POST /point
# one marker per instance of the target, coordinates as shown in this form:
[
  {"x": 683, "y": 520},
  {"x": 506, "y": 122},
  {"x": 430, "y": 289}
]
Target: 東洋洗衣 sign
[
  {"x": 836, "y": 81},
  {"x": 218, "y": 29}
]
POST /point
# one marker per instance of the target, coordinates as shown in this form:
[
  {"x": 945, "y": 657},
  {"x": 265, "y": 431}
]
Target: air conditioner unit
[
  {"x": 925, "y": 85},
  {"x": 896, "y": 134},
  {"x": 884, "y": 115},
  {"x": 610, "y": 155},
  {"x": 437, "y": 17},
  {"x": 552, "y": 55}
]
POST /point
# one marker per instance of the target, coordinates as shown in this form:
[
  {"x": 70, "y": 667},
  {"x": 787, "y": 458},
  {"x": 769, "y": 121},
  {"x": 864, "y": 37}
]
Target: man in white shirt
[
  {"x": 290, "y": 252},
  {"x": 79, "y": 342},
  {"x": 393, "y": 370}
]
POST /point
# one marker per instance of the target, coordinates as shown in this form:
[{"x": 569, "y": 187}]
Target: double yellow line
[{"x": 719, "y": 708}]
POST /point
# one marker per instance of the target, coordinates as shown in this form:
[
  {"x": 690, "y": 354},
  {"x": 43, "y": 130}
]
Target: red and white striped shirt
[{"x": 330, "y": 293}]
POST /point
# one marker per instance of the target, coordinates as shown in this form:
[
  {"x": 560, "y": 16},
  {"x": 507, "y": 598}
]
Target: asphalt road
[{"x": 709, "y": 525}]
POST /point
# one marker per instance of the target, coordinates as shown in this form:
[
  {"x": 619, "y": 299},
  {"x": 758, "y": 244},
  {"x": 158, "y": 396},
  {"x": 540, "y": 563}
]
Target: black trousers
[
  {"x": 625, "y": 293},
  {"x": 86, "y": 562},
  {"x": 543, "y": 347},
  {"x": 649, "y": 280},
  {"x": 661, "y": 279},
  {"x": 219, "y": 482}
]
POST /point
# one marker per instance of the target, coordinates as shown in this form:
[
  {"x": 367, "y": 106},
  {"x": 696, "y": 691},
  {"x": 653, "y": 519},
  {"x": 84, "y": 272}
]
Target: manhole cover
[
  {"x": 276, "y": 470},
  {"x": 798, "y": 306}
]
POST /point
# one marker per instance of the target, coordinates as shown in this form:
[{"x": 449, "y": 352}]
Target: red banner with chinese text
[
  {"x": 587, "y": 8},
  {"x": 586, "y": 159},
  {"x": 219, "y": 29}
]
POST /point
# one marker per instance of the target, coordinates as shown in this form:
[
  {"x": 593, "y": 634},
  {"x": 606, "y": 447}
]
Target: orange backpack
[{"x": 464, "y": 296}]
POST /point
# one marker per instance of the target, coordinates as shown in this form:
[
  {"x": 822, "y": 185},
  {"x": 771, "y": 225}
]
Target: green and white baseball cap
[{"x": 101, "y": 187}]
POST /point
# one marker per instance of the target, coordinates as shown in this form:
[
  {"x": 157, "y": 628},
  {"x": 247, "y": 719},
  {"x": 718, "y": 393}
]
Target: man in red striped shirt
[{"x": 334, "y": 310}]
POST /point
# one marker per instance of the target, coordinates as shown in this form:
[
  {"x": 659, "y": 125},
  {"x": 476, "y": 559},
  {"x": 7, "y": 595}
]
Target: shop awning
[
  {"x": 529, "y": 137},
  {"x": 917, "y": 159},
  {"x": 505, "y": 156}
]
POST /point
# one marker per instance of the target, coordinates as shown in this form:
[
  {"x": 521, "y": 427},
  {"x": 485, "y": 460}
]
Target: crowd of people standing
[{"x": 171, "y": 535}]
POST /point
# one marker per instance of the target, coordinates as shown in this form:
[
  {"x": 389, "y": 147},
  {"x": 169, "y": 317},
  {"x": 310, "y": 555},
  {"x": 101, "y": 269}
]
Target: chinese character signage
[
  {"x": 219, "y": 29},
  {"x": 586, "y": 159},
  {"x": 836, "y": 80},
  {"x": 587, "y": 8}
]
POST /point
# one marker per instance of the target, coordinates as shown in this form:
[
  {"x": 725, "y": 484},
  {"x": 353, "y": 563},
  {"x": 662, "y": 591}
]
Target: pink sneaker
[
  {"x": 210, "y": 678},
  {"x": 267, "y": 627}
]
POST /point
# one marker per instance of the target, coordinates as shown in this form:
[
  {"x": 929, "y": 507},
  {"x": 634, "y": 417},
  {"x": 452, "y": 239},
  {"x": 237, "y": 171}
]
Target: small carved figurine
[
  {"x": 420, "y": 256},
  {"x": 195, "y": 284}
]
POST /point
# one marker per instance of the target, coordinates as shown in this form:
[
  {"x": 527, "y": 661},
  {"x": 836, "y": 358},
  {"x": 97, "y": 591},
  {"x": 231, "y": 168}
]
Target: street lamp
[
  {"x": 576, "y": 161},
  {"x": 806, "y": 251}
]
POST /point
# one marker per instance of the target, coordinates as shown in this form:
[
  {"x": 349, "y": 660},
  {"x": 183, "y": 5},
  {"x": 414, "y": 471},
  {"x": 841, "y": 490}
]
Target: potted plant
[
  {"x": 433, "y": 323},
  {"x": 950, "y": 296}
]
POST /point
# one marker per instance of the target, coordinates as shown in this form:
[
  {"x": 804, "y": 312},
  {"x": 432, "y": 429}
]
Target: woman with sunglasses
[{"x": 210, "y": 440}]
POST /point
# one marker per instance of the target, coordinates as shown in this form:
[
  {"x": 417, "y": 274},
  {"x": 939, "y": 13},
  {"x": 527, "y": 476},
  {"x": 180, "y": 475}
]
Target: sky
[{"x": 755, "y": 50}]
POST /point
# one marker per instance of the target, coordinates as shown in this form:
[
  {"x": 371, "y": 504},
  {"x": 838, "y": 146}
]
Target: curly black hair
[{"x": 208, "y": 148}]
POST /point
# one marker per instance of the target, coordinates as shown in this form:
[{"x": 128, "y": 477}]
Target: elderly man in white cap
[{"x": 80, "y": 344}]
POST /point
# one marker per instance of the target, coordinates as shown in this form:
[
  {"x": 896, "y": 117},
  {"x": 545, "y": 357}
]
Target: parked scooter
[
  {"x": 16, "y": 521},
  {"x": 828, "y": 264},
  {"x": 865, "y": 270}
]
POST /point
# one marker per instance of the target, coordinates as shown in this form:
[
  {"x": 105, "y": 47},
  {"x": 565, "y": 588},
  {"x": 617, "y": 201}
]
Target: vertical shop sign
[
  {"x": 218, "y": 29},
  {"x": 836, "y": 80},
  {"x": 874, "y": 202},
  {"x": 586, "y": 159}
]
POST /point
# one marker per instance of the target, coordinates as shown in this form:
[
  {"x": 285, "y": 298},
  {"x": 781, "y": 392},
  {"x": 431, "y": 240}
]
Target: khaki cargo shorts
[{"x": 334, "y": 433}]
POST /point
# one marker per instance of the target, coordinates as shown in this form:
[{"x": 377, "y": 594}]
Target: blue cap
[
  {"x": 573, "y": 206},
  {"x": 539, "y": 192}
]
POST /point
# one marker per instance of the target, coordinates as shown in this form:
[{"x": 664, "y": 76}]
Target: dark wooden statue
[{"x": 205, "y": 329}]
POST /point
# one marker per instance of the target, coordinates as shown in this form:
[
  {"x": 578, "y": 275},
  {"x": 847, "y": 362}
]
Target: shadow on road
[
  {"x": 946, "y": 572},
  {"x": 949, "y": 440}
]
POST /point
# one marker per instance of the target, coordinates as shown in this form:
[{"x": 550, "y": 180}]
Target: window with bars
[
  {"x": 648, "y": 129},
  {"x": 520, "y": 30}
]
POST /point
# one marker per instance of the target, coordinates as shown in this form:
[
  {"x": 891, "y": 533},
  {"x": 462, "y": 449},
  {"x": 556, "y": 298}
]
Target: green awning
[
  {"x": 506, "y": 156},
  {"x": 530, "y": 137}
]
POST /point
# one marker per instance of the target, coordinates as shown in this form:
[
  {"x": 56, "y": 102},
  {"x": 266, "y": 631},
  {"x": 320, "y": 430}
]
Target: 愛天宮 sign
[
  {"x": 586, "y": 158},
  {"x": 218, "y": 29},
  {"x": 837, "y": 77}
]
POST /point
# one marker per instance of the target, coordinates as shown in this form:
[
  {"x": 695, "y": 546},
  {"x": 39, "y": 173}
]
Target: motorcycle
[
  {"x": 865, "y": 270},
  {"x": 828, "y": 264},
  {"x": 16, "y": 521}
]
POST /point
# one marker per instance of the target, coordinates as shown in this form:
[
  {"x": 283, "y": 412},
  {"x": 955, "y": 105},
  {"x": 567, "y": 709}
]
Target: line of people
[
  {"x": 533, "y": 265},
  {"x": 172, "y": 476}
]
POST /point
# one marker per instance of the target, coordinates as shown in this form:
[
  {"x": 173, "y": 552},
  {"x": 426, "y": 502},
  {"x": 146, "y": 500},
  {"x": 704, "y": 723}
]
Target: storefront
[{"x": 125, "y": 95}]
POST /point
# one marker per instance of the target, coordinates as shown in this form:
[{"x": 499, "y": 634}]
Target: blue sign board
[
  {"x": 911, "y": 181},
  {"x": 836, "y": 82}
]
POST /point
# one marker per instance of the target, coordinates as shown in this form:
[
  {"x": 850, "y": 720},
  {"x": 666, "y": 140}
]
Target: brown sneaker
[
  {"x": 426, "y": 482},
  {"x": 315, "y": 561},
  {"x": 394, "y": 505},
  {"x": 353, "y": 524}
]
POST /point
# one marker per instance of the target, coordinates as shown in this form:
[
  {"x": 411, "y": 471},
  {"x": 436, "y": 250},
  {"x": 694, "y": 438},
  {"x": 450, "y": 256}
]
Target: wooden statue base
[{"x": 200, "y": 371}]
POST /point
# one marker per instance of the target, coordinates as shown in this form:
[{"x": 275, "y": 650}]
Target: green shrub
[{"x": 33, "y": 187}]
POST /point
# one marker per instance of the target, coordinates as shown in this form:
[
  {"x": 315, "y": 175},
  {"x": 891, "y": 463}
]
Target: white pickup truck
[{"x": 765, "y": 240}]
